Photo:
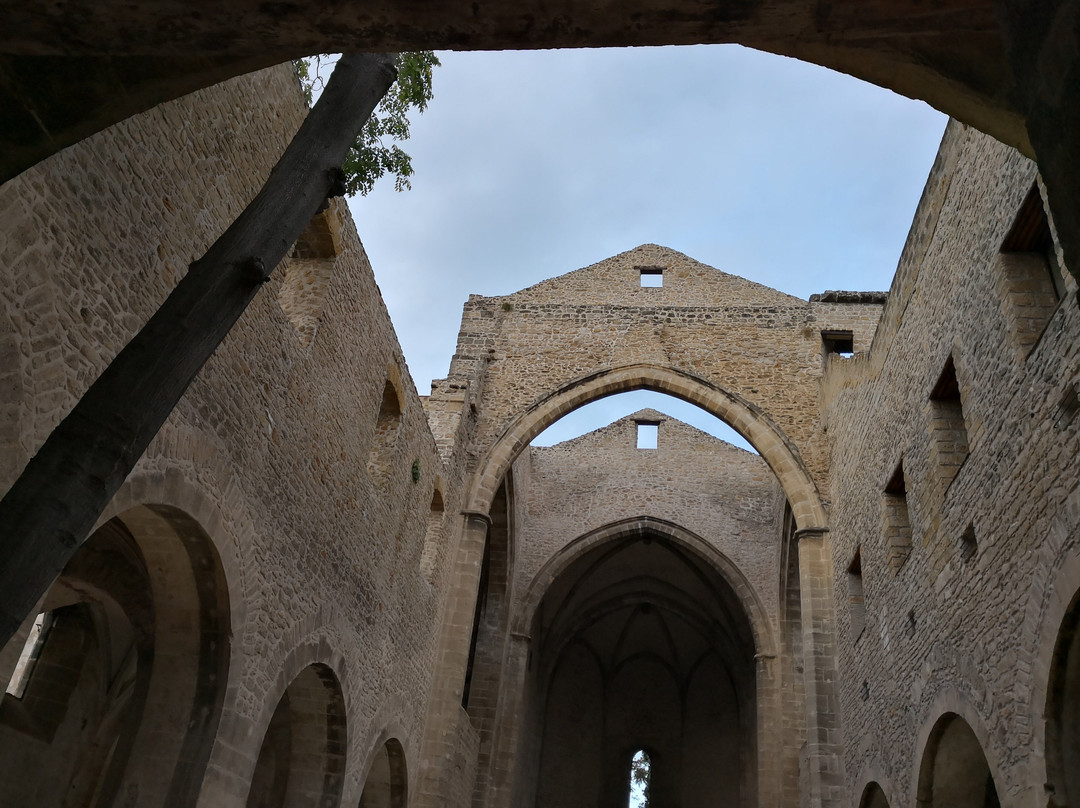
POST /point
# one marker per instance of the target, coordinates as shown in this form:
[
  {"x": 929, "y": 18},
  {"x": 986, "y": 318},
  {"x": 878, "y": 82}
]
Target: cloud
[{"x": 533, "y": 164}]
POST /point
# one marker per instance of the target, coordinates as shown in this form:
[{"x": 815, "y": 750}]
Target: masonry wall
[
  {"x": 583, "y": 496},
  {"x": 959, "y": 621},
  {"x": 761, "y": 345},
  {"x": 724, "y": 494},
  {"x": 278, "y": 450}
]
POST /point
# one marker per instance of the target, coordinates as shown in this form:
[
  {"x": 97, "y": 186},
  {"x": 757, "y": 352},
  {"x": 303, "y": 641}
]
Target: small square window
[
  {"x": 838, "y": 342},
  {"x": 651, "y": 277},
  {"x": 648, "y": 433}
]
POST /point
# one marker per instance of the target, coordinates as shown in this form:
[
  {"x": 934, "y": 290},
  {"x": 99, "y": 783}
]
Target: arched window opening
[
  {"x": 30, "y": 654},
  {"x": 640, "y": 779},
  {"x": 432, "y": 536},
  {"x": 606, "y": 411},
  {"x": 384, "y": 439},
  {"x": 308, "y": 272}
]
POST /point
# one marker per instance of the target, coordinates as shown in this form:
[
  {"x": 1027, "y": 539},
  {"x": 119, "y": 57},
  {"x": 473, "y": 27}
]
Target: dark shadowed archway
[
  {"x": 121, "y": 686},
  {"x": 302, "y": 758},
  {"x": 873, "y": 797},
  {"x": 640, "y": 643},
  {"x": 1063, "y": 713},
  {"x": 387, "y": 778},
  {"x": 954, "y": 772}
]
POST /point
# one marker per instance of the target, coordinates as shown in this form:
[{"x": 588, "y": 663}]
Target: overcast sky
[{"x": 533, "y": 164}]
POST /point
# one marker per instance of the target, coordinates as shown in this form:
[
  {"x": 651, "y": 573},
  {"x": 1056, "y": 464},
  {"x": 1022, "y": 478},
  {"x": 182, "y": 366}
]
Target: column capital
[
  {"x": 479, "y": 515},
  {"x": 811, "y": 533}
]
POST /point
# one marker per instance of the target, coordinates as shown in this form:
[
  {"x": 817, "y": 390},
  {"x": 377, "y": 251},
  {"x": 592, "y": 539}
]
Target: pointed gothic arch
[{"x": 746, "y": 418}]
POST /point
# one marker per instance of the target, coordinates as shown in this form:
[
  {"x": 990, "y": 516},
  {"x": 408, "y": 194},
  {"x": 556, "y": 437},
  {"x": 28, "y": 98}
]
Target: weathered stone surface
[{"x": 315, "y": 571}]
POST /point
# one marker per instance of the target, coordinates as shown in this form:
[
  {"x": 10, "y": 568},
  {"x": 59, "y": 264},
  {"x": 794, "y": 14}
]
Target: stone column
[
  {"x": 1043, "y": 43},
  {"x": 509, "y": 723},
  {"x": 824, "y": 749},
  {"x": 769, "y": 731},
  {"x": 445, "y": 714}
]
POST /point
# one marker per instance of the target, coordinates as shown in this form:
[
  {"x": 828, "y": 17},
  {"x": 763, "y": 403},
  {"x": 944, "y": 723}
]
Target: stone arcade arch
[
  {"x": 750, "y": 421},
  {"x": 302, "y": 758},
  {"x": 954, "y": 772},
  {"x": 127, "y": 693},
  {"x": 873, "y": 797},
  {"x": 1063, "y": 712},
  {"x": 743, "y": 416},
  {"x": 386, "y": 783},
  {"x": 644, "y": 637}
]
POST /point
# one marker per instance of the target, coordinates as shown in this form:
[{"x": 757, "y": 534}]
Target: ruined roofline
[
  {"x": 837, "y": 296},
  {"x": 688, "y": 275}
]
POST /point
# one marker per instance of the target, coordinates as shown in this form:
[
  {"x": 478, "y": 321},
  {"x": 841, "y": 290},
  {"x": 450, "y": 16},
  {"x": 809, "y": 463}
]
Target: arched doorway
[
  {"x": 302, "y": 758},
  {"x": 1063, "y": 712},
  {"x": 116, "y": 685},
  {"x": 640, "y": 644},
  {"x": 954, "y": 772}
]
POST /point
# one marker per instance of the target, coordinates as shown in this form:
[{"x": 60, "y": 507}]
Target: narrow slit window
[
  {"x": 856, "y": 603},
  {"x": 640, "y": 779},
  {"x": 648, "y": 435},
  {"x": 384, "y": 440},
  {"x": 897, "y": 520},
  {"x": 1030, "y": 281},
  {"x": 948, "y": 428},
  {"x": 969, "y": 543},
  {"x": 24, "y": 668},
  {"x": 432, "y": 536},
  {"x": 651, "y": 277}
]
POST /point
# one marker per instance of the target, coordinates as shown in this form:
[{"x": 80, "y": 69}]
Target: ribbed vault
[{"x": 641, "y": 644}]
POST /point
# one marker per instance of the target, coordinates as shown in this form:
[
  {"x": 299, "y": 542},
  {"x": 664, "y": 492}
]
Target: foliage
[
  {"x": 303, "y": 73},
  {"x": 376, "y": 152},
  {"x": 640, "y": 771}
]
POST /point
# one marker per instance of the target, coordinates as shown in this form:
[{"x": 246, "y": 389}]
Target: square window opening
[
  {"x": 839, "y": 342},
  {"x": 648, "y": 434},
  {"x": 651, "y": 277}
]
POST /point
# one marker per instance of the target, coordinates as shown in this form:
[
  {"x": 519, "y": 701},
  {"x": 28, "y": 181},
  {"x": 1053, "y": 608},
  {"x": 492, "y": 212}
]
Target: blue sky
[{"x": 532, "y": 164}]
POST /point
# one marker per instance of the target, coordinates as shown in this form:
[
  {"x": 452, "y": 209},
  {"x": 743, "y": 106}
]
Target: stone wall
[
  {"x": 284, "y": 451},
  {"x": 749, "y": 354},
  {"x": 953, "y": 622},
  {"x": 292, "y": 574},
  {"x": 723, "y": 494}
]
